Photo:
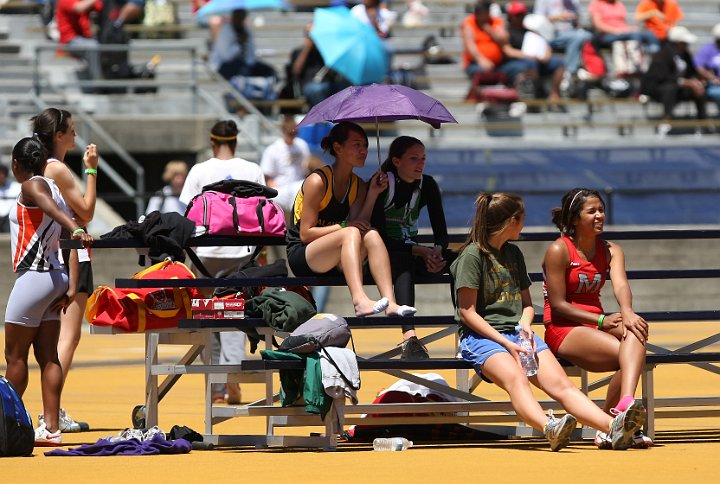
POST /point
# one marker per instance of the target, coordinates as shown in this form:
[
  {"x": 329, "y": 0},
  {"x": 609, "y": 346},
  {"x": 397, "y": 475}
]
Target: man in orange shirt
[
  {"x": 658, "y": 16},
  {"x": 483, "y": 37}
]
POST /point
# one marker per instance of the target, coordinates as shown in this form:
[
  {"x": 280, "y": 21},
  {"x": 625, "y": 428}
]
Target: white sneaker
[
  {"x": 559, "y": 430},
  {"x": 602, "y": 441},
  {"x": 45, "y": 438},
  {"x": 625, "y": 424},
  {"x": 663, "y": 129},
  {"x": 67, "y": 423},
  {"x": 152, "y": 431}
]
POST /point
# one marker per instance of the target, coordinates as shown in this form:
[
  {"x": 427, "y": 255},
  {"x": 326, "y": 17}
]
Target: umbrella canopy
[
  {"x": 219, "y": 7},
  {"x": 379, "y": 102},
  {"x": 348, "y": 46}
]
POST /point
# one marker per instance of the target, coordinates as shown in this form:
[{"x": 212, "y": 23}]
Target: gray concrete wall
[{"x": 666, "y": 295}]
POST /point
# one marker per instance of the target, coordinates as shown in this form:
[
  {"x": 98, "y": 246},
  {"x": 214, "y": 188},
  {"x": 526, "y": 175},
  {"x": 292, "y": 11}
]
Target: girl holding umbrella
[{"x": 327, "y": 232}]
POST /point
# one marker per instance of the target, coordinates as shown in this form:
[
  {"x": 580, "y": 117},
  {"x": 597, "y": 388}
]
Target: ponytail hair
[
  {"x": 47, "y": 123},
  {"x": 339, "y": 134},
  {"x": 30, "y": 155},
  {"x": 493, "y": 212},
  {"x": 572, "y": 204}
]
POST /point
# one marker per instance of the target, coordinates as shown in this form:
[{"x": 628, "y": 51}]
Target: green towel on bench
[
  {"x": 281, "y": 310},
  {"x": 309, "y": 381}
]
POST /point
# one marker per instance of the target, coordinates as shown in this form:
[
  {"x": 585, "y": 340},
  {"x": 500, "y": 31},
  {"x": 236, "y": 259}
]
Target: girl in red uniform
[{"x": 576, "y": 326}]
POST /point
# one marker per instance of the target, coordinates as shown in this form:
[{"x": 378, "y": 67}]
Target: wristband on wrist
[
  {"x": 91, "y": 171},
  {"x": 343, "y": 224},
  {"x": 601, "y": 318},
  {"x": 78, "y": 230}
]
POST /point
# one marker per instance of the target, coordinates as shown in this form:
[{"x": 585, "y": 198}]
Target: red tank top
[{"x": 583, "y": 282}]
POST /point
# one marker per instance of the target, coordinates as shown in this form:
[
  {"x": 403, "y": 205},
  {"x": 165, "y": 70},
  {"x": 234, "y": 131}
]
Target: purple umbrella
[{"x": 379, "y": 102}]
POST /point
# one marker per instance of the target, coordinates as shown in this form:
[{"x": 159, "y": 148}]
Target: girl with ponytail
[
  {"x": 55, "y": 129},
  {"x": 493, "y": 307}
]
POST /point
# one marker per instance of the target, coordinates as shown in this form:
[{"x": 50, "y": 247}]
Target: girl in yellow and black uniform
[{"x": 330, "y": 228}]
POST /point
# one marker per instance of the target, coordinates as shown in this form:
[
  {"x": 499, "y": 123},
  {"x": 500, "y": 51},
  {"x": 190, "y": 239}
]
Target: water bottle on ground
[
  {"x": 394, "y": 443},
  {"x": 527, "y": 360}
]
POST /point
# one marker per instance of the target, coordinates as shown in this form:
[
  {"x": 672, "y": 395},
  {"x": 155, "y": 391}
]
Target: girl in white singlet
[{"x": 55, "y": 129}]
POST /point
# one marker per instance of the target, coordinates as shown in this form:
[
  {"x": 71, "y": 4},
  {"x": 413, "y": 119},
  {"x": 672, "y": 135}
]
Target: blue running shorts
[{"x": 476, "y": 349}]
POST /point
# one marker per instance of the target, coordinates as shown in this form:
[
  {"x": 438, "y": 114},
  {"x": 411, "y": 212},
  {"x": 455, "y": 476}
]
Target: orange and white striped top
[{"x": 35, "y": 236}]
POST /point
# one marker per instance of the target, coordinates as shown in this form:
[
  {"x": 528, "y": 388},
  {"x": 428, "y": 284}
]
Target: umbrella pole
[{"x": 377, "y": 139}]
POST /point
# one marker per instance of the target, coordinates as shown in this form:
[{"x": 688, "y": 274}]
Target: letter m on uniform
[{"x": 585, "y": 286}]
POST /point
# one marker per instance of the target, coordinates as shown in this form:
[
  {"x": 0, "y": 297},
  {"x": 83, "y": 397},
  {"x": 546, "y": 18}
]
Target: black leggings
[{"x": 405, "y": 267}]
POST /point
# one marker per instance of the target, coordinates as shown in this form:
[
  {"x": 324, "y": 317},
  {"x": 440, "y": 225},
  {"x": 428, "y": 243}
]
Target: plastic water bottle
[
  {"x": 394, "y": 443},
  {"x": 527, "y": 360}
]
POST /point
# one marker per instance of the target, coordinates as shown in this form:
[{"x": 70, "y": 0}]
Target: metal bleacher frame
[{"x": 197, "y": 334}]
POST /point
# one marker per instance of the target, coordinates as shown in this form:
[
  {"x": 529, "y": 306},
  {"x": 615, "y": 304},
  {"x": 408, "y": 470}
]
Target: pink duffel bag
[{"x": 226, "y": 214}]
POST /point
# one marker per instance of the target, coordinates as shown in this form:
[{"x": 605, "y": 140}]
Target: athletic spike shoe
[
  {"x": 413, "y": 349},
  {"x": 559, "y": 430},
  {"x": 625, "y": 424},
  {"x": 45, "y": 438},
  {"x": 641, "y": 441}
]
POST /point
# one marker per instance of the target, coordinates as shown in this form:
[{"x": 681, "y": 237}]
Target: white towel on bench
[{"x": 333, "y": 383}]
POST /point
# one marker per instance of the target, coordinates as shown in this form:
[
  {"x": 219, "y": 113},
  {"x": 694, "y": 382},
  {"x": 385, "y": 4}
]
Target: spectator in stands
[
  {"x": 375, "y": 13},
  {"x": 284, "y": 163},
  {"x": 395, "y": 215},
  {"x": 381, "y": 18},
  {"x": 528, "y": 44},
  {"x": 483, "y": 39},
  {"x": 309, "y": 75},
  {"x": 42, "y": 289},
  {"x": 214, "y": 22},
  {"x": 55, "y": 129},
  {"x": 493, "y": 306},
  {"x": 73, "y": 22},
  {"x": 329, "y": 230},
  {"x": 228, "y": 347},
  {"x": 658, "y": 16},
  {"x": 576, "y": 327},
  {"x": 233, "y": 52},
  {"x": 672, "y": 77},
  {"x": 568, "y": 36},
  {"x": 9, "y": 191},
  {"x": 707, "y": 63},
  {"x": 128, "y": 11},
  {"x": 608, "y": 18},
  {"x": 167, "y": 199}
]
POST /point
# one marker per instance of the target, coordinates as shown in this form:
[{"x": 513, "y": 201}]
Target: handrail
[
  {"x": 136, "y": 192},
  {"x": 251, "y": 136}
]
